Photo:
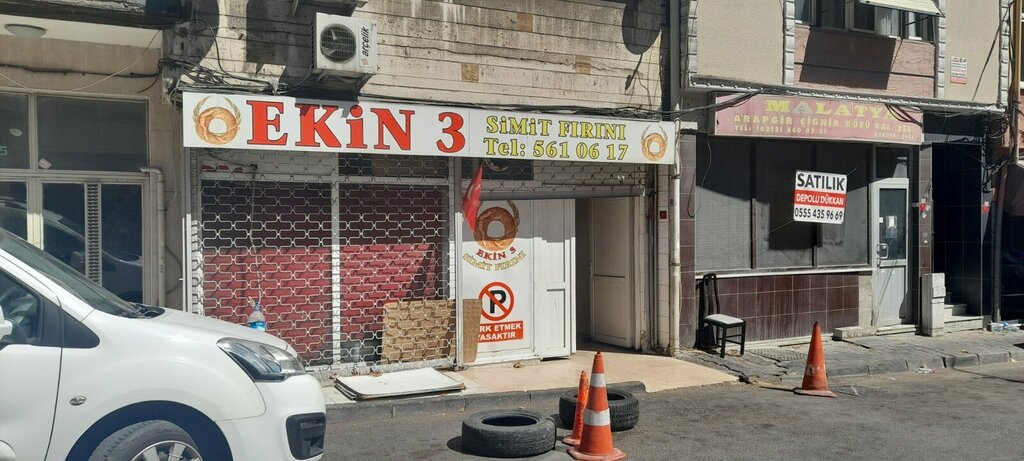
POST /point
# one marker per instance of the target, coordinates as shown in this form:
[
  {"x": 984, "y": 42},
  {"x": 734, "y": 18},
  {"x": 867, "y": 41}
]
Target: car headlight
[{"x": 262, "y": 362}]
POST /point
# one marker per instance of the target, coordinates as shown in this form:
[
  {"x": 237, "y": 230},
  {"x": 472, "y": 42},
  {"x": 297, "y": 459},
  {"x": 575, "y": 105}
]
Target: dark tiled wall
[
  {"x": 786, "y": 306},
  {"x": 959, "y": 222}
]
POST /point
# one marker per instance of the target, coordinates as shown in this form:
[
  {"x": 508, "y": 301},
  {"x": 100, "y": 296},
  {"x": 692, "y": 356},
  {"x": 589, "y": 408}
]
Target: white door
[
  {"x": 29, "y": 369},
  {"x": 611, "y": 271},
  {"x": 554, "y": 276},
  {"x": 889, "y": 208}
]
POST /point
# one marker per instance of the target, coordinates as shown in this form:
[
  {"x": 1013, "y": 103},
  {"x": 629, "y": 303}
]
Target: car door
[{"x": 29, "y": 364}]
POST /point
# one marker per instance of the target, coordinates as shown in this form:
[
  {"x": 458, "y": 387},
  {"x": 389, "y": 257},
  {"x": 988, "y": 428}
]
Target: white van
[{"x": 85, "y": 375}]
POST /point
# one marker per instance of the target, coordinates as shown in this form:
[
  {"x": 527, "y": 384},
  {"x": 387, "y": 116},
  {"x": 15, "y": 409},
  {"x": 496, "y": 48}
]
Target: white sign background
[
  {"x": 819, "y": 197},
  {"x": 224, "y": 121},
  {"x": 519, "y": 277}
]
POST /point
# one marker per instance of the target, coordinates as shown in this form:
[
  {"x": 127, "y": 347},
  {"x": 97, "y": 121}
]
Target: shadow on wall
[{"x": 847, "y": 59}]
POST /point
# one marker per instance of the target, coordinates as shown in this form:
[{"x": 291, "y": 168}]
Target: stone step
[
  {"x": 964, "y": 322},
  {"x": 957, "y": 309},
  {"x": 949, "y": 298},
  {"x": 897, "y": 329}
]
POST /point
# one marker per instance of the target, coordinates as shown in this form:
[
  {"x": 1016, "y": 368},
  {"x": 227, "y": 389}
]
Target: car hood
[{"x": 220, "y": 327}]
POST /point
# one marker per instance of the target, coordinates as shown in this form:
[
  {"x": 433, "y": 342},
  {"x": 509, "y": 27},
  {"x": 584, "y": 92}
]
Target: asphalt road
[{"x": 951, "y": 414}]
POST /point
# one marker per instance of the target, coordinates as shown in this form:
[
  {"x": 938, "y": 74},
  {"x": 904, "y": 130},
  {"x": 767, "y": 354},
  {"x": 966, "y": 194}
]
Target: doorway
[
  {"x": 889, "y": 207},
  {"x": 607, "y": 271}
]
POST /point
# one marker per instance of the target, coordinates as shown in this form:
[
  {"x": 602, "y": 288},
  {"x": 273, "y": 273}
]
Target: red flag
[{"x": 471, "y": 201}]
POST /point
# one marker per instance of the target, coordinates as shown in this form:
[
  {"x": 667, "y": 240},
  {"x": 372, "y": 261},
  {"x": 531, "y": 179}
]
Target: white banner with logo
[
  {"x": 289, "y": 124},
  {"x": 497, "y": 268},
  {"x": 819, "y": 197}
]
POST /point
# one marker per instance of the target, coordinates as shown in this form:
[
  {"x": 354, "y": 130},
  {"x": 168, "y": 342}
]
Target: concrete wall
[
  {"x": 592, "y": 53},
  {"x": 866, "y": 63},
  {"x": 740, "y": 40},
  {"x": 972, "y": 31},
  {"x": 48, "y": 66}
]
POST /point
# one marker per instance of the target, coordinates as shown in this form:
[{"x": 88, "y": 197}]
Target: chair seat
[{"x": 722, "y": 319}]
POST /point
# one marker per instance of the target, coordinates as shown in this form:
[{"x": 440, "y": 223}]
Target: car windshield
[{"x": 67, "y": 277}]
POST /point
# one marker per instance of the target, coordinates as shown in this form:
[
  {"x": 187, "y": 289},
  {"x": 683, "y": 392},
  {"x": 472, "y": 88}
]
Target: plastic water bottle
[{"x": 256, "y": 319}]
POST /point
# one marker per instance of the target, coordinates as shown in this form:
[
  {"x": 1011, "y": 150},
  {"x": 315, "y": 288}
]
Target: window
[
  {"x": 72, "y": 137},
  {"x": 14, "y": 131},
  {"x": 21, "y": 307},
  {"x": 744, "y": 205},
  {"x": 854, "y": 15}
]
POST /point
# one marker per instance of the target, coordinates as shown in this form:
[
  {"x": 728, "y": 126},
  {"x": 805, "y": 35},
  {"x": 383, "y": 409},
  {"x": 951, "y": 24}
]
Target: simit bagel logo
[
  {"x": 654, "y": 143},
  {"x": 217, "y": 125},
  {"x": 495, "y": 233}
]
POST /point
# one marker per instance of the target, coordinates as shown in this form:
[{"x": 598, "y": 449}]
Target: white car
[{"x": 85, "y": 375}]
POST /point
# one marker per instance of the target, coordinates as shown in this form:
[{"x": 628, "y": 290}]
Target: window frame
[
  {"x": 34, "y": 122},
  {"x": 849, "y": 21}
]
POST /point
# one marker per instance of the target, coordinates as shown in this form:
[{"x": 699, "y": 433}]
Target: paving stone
[{"x": 892, "y": 366}]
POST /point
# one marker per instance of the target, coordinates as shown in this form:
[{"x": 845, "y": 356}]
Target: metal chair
[{"x": 721, "y": 323}]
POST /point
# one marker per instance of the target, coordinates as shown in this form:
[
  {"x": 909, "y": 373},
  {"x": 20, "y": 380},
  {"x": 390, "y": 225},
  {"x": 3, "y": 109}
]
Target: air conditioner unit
[{"x": 344, "y": 46}]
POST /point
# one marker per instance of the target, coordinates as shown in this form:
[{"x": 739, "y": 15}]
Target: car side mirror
[{"x": 6, "y": 327}]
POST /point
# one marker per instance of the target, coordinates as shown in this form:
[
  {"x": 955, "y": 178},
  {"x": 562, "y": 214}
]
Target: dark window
[
  {"x": 22, "y": 308},
  {"x": 14, "y": 130},
  {"x": 744, "y": 205},
  {"x": 804, "y": 11},
  {"x": 832, "y": 13},
  {"x": 91, "y": 134},
  {"x": 722, "y": 204}
]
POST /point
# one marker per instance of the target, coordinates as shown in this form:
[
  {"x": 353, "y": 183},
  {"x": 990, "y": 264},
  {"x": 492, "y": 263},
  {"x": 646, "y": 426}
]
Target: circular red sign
[{"x": 496, "y": 301}]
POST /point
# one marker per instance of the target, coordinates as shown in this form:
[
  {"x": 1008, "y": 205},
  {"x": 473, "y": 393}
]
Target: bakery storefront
[
  {"x": 345, "y": 221},
  {"x": 803, "y": 209}
]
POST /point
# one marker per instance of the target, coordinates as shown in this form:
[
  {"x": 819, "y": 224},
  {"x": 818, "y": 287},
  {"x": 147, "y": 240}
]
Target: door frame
[
  {"x": 873, "y": 249},
  {"x": 635, "y": 242}
]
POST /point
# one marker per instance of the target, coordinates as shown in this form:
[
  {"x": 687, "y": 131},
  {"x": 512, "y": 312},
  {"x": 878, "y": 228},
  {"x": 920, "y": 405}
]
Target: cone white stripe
[
  {"x": 597, "y": 380},
  {"x": 597, "y": 418}
]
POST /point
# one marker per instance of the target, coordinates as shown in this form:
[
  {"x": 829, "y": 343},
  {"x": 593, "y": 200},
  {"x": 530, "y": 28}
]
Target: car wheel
[
  {"x": 623, "y": 406},
  {"x": 508, "y": 433},
  {"x": 148, "y": 441}
]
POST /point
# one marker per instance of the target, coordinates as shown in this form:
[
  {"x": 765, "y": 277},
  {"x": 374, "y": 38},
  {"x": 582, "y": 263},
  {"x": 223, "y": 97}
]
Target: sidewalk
[
  {"x": 514, "y": 385},
  {"x": 870, "y": 355}
]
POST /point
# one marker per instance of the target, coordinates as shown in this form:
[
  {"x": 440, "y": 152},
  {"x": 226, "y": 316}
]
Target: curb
[
  {"x": 393, "y": 408},
  {"x": 937, "y": 362}
]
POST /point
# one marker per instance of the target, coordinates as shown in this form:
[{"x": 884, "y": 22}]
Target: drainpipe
[
  {"x": 157, "y": 176},
  {"x": 1000, "y": 205},
  {"x": 675, "y": 277}
]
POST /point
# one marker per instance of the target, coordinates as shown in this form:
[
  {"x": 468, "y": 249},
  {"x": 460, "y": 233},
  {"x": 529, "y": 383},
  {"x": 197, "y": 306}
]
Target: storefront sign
[
  {"x": 290, "y": 124},
  {"x": 819, "y": 197},
  {"x": 766, "y": 116},
  {"x": 497, "y": 269}
]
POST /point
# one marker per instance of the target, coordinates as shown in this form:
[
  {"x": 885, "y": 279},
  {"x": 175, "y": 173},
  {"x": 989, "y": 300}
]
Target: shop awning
[{"x": 915, "y": 6}]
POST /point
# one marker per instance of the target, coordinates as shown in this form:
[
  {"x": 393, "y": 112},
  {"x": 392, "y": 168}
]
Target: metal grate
[
  {"x": 779, "y": 354},
  {"x": 338, "y": 43},
  {"x": 353, "y": 256},
  {"x": 93, "y": 233}
]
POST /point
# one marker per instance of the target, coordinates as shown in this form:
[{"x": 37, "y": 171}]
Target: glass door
[{"x": 889, "y": 235}]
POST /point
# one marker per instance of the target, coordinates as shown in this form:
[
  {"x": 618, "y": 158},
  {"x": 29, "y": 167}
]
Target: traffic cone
[
  {"x": 815, "y": 377},
  {"x": 581, "y": 406},
  {"x": 596, "y": 442}
]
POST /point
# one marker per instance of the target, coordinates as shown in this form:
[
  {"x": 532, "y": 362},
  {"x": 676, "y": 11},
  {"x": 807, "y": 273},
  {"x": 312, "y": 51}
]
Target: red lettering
[
  {"x": 402, "y": 136},
  {"x": 355, "y": 127},
  {"x": 455, "y": 124},
  {"x": 311, "y": 127},
  {"x": 262, "y": 122}
]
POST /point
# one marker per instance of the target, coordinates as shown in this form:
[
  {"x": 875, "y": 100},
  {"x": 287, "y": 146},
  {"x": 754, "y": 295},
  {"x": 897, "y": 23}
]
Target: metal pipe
[
  {"x": 161, "y": 216},
  {"x": 1000, "y": 205},
  {"x": 675, "y": 90}
]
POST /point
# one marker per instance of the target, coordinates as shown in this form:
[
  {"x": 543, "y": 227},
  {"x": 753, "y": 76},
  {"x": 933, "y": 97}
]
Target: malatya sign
[
  {"x": 767, "y": 116},
  {"x": 290, "y": 124}
]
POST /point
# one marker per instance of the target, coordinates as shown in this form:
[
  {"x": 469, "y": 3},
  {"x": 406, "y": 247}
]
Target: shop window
[
  {"x": 14, "y": 133},
  {"x": 739, "y": 226},
  {"x": 722, "y": 205},
  {"x": 73, "y": 137}
]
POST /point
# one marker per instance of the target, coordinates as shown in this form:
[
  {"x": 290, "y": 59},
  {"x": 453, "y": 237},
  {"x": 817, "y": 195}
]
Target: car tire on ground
[
  {"x": 623, "y": 406},
  {"x": 508, "y": 433},
  {"x": 164, "y": 439}
]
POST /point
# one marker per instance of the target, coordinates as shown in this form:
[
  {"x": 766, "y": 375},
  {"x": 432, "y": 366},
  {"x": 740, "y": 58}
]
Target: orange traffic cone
[
  {"x": 596, "y": 442},
  {"x": 581, "y": 406},
  {"x": 815, "y": 378}
]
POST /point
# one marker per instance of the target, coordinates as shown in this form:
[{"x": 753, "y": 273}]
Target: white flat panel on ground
[{"x": 399, "y": 383}]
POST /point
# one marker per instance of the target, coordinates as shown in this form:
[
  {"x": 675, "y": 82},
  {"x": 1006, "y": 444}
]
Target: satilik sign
[{"x": 819, "y": 197}]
